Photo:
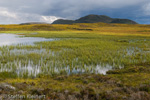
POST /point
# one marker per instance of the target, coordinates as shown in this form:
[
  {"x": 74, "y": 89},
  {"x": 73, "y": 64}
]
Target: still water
[
  {"x": 26, "y": 66},
  {"x": 13, "y": 39}
]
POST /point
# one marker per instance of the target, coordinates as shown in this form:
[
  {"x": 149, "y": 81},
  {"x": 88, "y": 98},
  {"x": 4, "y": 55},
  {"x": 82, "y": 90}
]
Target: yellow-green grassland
[{"x": 69, "y": 65}]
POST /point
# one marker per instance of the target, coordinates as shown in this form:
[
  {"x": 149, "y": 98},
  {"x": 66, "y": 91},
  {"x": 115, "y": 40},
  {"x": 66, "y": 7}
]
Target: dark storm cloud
[{"x": 16, "y": 11}]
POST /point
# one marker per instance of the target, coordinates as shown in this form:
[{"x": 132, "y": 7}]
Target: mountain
[
  {"x": 29, "y": 23},
  {"x": 95, "y": 19},
  {"x": 123, "y": 21},
  {"x": 63, "y": 21}
]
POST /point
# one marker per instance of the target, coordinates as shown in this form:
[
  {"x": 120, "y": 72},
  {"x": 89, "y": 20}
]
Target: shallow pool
[{"x": 13, "y": 39}]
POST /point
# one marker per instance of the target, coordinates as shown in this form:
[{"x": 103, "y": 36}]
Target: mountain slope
[
  {"x": 62, "y": 21},
  {"x": 95, "y": 19},
  {"x": 123, "y": 21}
]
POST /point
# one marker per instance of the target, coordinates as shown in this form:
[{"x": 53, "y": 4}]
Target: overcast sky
[{"x": 20, "y": 11}]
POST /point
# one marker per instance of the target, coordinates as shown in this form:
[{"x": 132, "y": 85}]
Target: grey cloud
[
  {"x": 9, "y": 17},
  {"x": 34, "y": 10},
  {"x": 146, "y": 9}
]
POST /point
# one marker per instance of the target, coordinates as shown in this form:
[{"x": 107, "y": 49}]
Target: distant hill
[
  {"x": 95, "y": 19},
  {"x": 29, "y": 23},
  {"x": 123, "y": 21},
  {"x": 63, "y": 21}
]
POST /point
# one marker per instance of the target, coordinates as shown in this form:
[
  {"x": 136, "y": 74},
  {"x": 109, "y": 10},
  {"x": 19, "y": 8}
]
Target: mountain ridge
[{"x": 95, "y": 19}]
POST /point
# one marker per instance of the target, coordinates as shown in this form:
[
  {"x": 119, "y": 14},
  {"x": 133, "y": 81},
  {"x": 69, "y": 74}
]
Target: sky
[{"x": 21, "y": 11}]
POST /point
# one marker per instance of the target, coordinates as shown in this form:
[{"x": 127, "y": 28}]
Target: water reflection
[
  {"x": 13, "y": 39},
  {"x": 48, "y": 64}
]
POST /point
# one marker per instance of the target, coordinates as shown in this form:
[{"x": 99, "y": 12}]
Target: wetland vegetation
[{"x": 78, "y": 61}]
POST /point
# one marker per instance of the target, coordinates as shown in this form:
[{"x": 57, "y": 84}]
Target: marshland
[{"x": 98, "y": 60}]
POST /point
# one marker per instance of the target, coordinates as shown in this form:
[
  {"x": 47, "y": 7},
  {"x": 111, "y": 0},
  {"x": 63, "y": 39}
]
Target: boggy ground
[
  {"x": 132, "y": 83},
  {"x": 115, "y": 44}
]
